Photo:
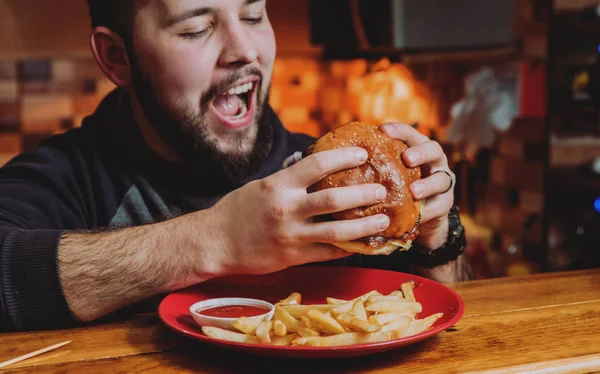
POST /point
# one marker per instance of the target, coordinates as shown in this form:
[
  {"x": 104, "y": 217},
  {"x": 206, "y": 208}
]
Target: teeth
[
  {"x": 243, "y": 110},
  {"x": 243, "y": 88}
]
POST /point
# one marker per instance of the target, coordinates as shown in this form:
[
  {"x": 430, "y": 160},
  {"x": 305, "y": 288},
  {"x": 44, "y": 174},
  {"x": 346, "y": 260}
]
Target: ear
[{"x": 110, "y": 52}]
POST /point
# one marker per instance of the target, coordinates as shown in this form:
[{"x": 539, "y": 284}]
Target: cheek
[
  {"x": 177, "y": 69},
  {"x": 265, "y": 43},
  {"x": 264, "y": 40}
]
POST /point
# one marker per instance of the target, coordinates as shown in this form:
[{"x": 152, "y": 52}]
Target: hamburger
[{"x": 384, "y": 166}]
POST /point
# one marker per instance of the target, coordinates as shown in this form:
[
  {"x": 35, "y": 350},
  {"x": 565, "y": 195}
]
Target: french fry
[
  {"x": 246, "y": 325},
  {"x": 306, "y": 321},
  {"x": 375, "y": 299},
  {"x": 334, "y": 301},
  {"x": 356, "y": 324},
  {"x": 283, "y": 341},
  {"x": 294, "y": 299},
  {"x": 301, "y": 310},
  {"x": 358, "y": 309},
  {"x": 405, "y": 307},
  {"x": 263, "y": 332},
  {"x": 217, "y": 333},
  {"x": 407, "y": 289},
  {"x": 420, "y": 325},
  {"x": 385, "y": 318},
  {"x": 293, "y": 325},
  {"x": 400, "y": 324},
  {"x": 327, "y": 323},
  {"x": 348, "y": 338},
  {"x": 279, "y": 328},
  {"x": 368, "y": 318},
  {"x": 347, "y": 307}
]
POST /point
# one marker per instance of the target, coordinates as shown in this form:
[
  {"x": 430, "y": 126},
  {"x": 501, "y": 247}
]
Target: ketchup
[{"x": 233, "y": 311}]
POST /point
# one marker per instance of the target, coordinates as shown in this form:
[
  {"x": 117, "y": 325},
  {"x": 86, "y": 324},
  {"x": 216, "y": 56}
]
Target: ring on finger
[{"x": 449, "y": 177}]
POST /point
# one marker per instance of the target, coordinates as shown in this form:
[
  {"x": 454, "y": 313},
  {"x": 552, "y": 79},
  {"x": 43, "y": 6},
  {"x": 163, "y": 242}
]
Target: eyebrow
[
  {"x": 198, "y": 12},
  {"x": 191, "y": 13}
]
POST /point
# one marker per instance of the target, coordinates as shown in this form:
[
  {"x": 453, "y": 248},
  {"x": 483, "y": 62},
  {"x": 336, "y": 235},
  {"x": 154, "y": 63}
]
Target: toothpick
[{"x": 32, "y": 354}]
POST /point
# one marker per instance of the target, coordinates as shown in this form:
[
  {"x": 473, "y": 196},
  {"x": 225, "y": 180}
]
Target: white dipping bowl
[{"x": 227, "y": 323}]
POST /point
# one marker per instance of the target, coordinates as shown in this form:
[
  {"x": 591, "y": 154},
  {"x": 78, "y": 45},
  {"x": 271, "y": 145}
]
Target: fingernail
[
  {"x": 381, "y": 193},
  {"x": 413, "y": 158},
  {"x": 418, "y": 189},
  {"x": 384, "y": 222},
  {"x": 387, "y": 127},
  {"x": 362, "y": 155}
]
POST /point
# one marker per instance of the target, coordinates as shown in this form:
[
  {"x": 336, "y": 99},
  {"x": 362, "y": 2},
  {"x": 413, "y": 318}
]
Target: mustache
[{"x": 215, "y": 89}]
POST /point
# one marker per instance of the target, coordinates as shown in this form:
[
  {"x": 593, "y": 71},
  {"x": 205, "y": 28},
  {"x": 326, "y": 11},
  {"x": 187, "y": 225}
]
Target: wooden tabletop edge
[
  {"x": 38, "y": 364},
  {"x": 524, "y": 278},
  {"x": 580, "y": 364},
  {"x": 549, "y": 306}
]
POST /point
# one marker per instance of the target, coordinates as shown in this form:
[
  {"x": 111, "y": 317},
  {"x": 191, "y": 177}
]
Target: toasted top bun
[{"x": 384, "y": 166}]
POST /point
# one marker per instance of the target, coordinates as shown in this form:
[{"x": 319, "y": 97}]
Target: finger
[
  {"x": 338, "y": 199},
  {"x": 436, "y": 207},
  {"x": 317, "y": 252},
  {"x": 321, "y": 164},
  {"x": 406, "y": 133},
  {"x": 430, "y": 152},
  {"x": 344, "y": 230},
  {"x": 435, "y": 184}
]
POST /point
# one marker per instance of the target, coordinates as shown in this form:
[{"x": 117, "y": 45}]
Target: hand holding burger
[
  {"x": 384, "y": 167},
  {"x": 435, "y": 189},
  {"x": 413, "y": 169}
]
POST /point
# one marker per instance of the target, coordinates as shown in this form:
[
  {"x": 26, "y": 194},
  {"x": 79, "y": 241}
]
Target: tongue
[{"x": 227, "y": 105}]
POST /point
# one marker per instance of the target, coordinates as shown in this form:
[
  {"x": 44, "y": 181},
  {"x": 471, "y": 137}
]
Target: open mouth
[{"x": 235, "y": 107}]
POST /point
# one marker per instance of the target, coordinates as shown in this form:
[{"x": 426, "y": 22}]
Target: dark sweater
[{"x": 101, "y": 175}]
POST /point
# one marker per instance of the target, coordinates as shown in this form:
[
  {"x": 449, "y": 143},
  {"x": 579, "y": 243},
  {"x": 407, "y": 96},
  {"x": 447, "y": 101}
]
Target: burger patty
[{"x": 376, "y": 241}]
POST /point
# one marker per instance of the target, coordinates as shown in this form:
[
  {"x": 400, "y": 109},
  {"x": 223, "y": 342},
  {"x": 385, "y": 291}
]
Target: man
[{"x": 177, "y": 177}]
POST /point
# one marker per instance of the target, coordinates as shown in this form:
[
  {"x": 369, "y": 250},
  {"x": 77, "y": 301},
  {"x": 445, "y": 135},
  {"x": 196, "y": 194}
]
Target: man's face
[{"x": 202, "y": 72}]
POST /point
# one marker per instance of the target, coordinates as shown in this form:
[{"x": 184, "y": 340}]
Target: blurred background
[{"x": 508, "y": 87}]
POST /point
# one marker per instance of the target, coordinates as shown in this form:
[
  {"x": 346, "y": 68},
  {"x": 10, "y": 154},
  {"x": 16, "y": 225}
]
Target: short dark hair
[{"x": 117, "y": 15}]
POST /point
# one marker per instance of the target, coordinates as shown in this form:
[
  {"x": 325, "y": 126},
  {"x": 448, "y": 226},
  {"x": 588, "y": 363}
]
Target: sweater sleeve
[{"x": 39, "y": 200}]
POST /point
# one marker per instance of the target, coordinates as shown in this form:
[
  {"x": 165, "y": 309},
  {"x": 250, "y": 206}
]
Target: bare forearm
[
  {"x": 104, "y": 272},
  {"x": 455, "y": 271}
]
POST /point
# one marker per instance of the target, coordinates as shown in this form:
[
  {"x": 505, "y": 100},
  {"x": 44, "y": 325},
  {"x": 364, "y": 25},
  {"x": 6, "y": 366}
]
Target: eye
[
  {"x": 253, "y": 20},
  {"x": 195, "y": 35},
  {"x": 192, "y": 35}
]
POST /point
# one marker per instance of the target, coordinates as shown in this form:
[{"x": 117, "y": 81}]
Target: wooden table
[{"x": 511, "y": 325}]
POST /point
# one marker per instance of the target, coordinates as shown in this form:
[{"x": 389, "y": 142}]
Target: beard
[{"x": 185, "y": 131}]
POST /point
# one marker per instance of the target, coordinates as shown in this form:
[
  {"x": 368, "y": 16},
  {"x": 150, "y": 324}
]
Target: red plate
[{"x": 315, "y": 284}]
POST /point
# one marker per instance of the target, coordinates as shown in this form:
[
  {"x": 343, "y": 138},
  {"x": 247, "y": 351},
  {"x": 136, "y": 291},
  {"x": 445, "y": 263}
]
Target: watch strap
[{"x": 450, "y": 251}]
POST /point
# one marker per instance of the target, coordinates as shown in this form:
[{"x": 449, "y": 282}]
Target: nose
[{"x": 237, "y": 47}]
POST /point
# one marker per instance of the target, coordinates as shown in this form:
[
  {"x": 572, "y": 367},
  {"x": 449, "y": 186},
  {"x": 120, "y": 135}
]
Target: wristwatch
[{"x": 454, "y": 246}]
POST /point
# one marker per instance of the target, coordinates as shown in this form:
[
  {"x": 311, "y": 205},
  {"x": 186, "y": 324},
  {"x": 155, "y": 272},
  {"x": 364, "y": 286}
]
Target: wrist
[
  {"x": 193, "y": 257},
  {"x": 436, "y": 237}
]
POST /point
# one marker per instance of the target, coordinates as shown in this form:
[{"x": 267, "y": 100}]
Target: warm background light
[{"x": 390, "y": 93}]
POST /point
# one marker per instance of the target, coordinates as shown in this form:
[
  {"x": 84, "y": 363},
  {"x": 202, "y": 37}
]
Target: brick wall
[
  {"x": 511, "y": 201},
  {"x": 39, "y": 98}
]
